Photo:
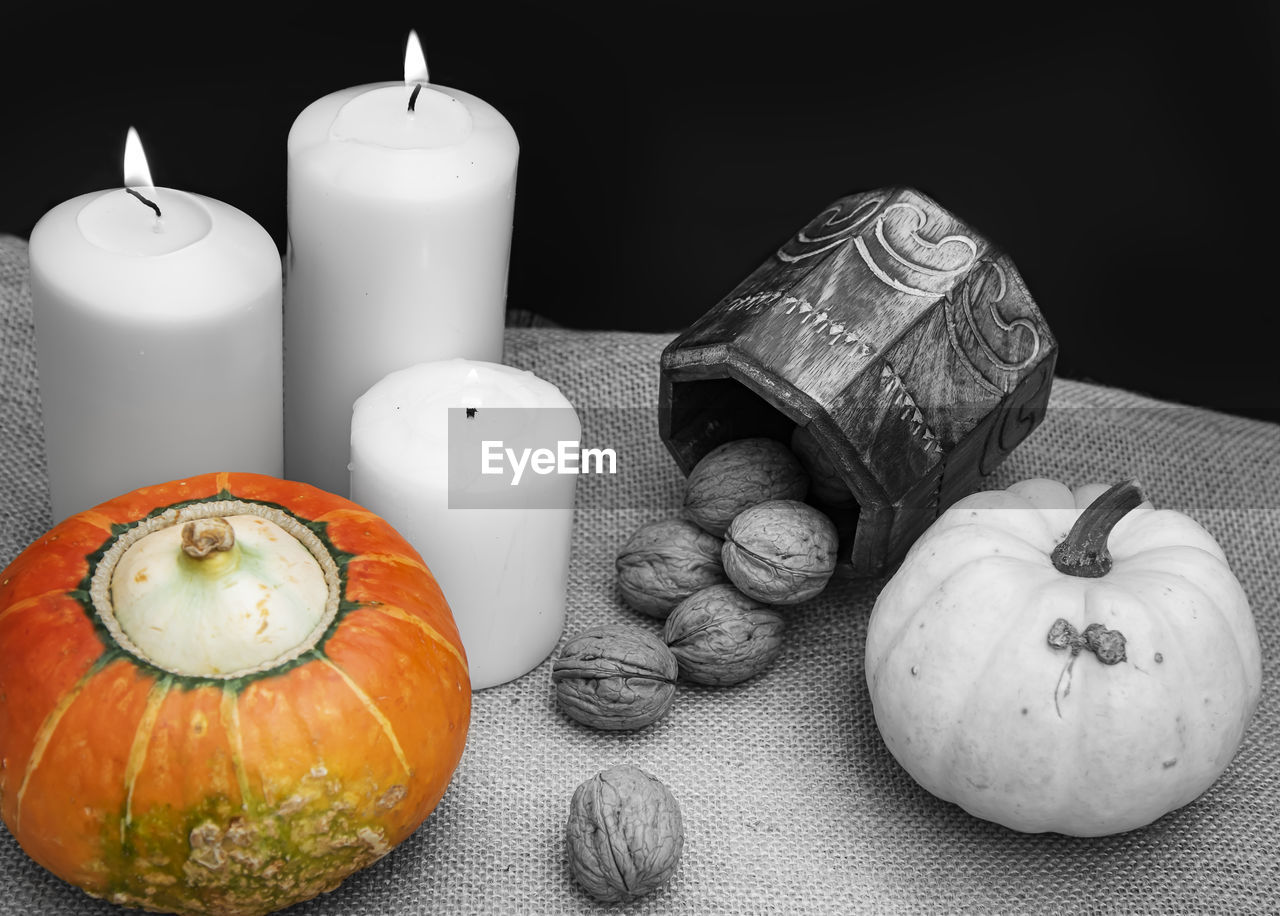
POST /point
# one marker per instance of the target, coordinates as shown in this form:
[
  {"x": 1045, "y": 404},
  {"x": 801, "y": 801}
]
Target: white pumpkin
[{"x": 1064, "y": 660}]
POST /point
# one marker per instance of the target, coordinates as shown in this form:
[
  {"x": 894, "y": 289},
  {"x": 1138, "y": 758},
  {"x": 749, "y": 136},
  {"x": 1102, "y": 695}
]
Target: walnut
[
  {"x": 738, "y": 474},
  {"x": 781, "y": 551},
  {"x": 665, "y": 562},
  {"x": 625, "y": 834},
  {"x": 826, "y": 486},
  {"x": 616, "y": 677},
  {"x": 721, "y": 636}
]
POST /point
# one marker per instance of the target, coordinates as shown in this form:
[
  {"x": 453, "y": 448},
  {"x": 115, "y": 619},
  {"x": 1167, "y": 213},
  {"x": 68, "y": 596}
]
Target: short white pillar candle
[{"x": 425, "y": 443}]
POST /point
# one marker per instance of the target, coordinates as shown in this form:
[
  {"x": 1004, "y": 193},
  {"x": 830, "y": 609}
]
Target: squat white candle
[
  {"x": 504, "y": 569},
  {"x": 158, "y": 337},
  {"x": 399, "y": 241}
]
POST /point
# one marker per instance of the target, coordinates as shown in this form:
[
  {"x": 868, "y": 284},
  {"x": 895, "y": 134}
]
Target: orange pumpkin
[{"x": 166, "y": 746}]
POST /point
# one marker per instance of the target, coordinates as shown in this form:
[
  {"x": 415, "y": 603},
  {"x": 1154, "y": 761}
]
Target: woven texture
[{"x": 791, "y": 802}]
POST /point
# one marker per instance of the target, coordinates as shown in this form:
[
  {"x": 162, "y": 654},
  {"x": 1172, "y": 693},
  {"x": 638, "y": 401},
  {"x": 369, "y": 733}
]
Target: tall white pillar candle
[
  {"x": 158, "y": 340},
  {"x": 498, "y": 544},
  {"x": 399, "y": 241}
]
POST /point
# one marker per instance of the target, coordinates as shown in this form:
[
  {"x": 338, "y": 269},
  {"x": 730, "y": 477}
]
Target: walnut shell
[
  {"x": 826, "y": 486},
  {"x": 738, "y": 474},
  {"x": 721, "y": 636},
  {"x": 615, "y": 677},
  {"x": 665, "y": 562},
  {"x": 625, "y": 834},
  {"x": 780, "y": 552}
]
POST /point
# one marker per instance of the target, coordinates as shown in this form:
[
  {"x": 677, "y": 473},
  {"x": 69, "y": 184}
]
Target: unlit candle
[{"x": 500, "y": 552}]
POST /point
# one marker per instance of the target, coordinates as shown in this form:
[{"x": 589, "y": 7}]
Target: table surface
[{"x": 791, "y": 802}]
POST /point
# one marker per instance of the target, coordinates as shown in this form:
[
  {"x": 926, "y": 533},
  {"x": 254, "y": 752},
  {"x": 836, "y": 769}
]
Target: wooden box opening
[{"x": 695, "y": 416}]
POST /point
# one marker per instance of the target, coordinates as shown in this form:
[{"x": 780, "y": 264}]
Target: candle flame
[
  {"x": 136, "y": 172},
  {"x": 472, "y": 375},
  {"x": 415, "y": 62}
]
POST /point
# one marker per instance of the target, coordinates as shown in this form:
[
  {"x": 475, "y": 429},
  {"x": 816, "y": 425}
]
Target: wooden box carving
[{"x": 907, "y": 344}]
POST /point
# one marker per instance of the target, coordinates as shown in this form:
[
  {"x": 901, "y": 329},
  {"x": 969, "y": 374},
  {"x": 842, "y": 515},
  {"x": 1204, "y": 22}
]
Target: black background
[{"x": 1125, "y": 156}]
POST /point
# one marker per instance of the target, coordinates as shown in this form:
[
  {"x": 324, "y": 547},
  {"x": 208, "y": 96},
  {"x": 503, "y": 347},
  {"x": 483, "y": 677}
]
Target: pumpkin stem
[
  {"x": 205, "y": 536},
  {"x": 1084, "y": 550},
  {"x": 209, "y": 545}
]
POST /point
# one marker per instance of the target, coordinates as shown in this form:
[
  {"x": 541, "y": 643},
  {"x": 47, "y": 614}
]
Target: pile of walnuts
[{"x": 746, "y": 545}]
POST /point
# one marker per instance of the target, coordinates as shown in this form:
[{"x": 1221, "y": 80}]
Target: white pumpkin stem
[{"x": 1084, "y": 550}]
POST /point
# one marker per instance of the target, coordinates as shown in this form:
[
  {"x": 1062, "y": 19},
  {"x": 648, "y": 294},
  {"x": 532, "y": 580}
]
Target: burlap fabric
[{"x": 791, "y": 802}]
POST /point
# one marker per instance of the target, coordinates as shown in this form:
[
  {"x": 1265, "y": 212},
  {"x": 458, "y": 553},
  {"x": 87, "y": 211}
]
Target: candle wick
[
  {"x": 471, "y": 412},
  {"x": 149, "y": 203},
  {"x": 413, "y": 98}
]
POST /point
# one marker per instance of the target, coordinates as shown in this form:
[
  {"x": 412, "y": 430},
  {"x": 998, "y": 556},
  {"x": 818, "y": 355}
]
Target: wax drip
[
  {"x": 150, "y": 203},
  {"x": 413, "y": 97}
]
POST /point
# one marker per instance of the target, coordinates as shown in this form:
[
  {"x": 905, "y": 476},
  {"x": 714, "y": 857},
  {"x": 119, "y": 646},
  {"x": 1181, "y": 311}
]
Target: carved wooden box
[{"x": 906, "y": 343}]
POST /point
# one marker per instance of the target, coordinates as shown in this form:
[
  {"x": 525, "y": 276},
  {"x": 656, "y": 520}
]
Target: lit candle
[
  {"x": 462, "y": 458},
  {"x": 400, "y": 205},
  {"x": 158, "y": 339}
]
